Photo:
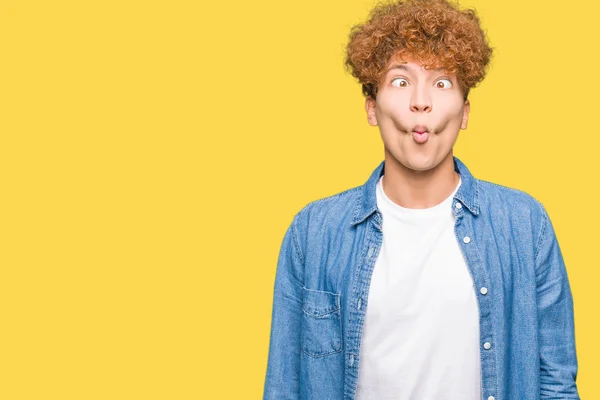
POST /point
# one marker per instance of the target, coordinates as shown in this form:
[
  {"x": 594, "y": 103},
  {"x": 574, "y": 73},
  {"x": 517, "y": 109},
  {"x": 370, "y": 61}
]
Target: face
[{"x": 411, "y": 100}]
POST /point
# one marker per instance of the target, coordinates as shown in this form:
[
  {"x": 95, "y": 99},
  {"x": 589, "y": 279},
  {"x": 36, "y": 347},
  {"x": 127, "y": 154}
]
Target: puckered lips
[{"x": 420, "y": 133}]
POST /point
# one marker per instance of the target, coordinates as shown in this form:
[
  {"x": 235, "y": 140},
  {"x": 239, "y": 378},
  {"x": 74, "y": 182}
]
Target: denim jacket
[{"x": 527, "y": 338}]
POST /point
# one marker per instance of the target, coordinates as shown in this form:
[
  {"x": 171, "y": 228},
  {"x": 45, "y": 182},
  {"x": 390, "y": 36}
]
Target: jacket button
[
  {"x": 491, "y": 398},
  {"x": 487, "y": 345},
  {"x": 458, "y": 205},
  {"x": 483, "y": 290},
  {"x": 466, "y": 239}
]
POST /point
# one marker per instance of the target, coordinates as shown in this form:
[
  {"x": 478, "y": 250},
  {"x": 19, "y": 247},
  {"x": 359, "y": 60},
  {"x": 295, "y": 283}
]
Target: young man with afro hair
[{"x": 424, "y": 282}]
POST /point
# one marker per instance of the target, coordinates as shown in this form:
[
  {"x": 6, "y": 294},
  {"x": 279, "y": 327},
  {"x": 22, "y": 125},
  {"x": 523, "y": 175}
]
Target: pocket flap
[{"x": 319, "y": 303}]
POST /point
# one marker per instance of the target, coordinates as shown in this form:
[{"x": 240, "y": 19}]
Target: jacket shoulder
[
  {"x": 326, "y": 215},
  {"x": 513, "y": 205},
  {"x": 331, "y": 208},
  {"x": 494, "y": 193}
]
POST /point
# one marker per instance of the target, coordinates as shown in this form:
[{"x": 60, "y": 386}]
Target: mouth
[
  {"x": 421, "y": 129},
  {"x": 420, "y": 134}
]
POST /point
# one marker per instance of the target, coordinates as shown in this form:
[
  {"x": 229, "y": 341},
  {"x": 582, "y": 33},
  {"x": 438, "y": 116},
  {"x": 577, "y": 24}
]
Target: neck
[{"x": 419, "y": 189}]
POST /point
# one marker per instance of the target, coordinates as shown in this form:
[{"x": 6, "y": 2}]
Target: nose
[{"x": 420, "y": 101}]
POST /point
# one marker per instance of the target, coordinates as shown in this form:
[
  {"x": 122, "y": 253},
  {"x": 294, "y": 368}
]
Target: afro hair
[{"x": 434, "y": 33}]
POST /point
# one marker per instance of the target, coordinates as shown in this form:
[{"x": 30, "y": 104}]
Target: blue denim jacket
[{"x": 322, "y": 283}]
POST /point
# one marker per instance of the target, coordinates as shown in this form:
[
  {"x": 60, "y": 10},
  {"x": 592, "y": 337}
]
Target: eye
[
  {"x": 400, "y": 82},
  {"x": 442, "y": 83}
]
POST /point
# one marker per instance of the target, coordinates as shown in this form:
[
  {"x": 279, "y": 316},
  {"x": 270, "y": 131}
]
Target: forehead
[{"x": 411, "y": 63}]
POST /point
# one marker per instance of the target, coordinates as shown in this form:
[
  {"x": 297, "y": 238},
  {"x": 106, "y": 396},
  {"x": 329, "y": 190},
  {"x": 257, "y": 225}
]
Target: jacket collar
[{"x": 366, "y": 203}]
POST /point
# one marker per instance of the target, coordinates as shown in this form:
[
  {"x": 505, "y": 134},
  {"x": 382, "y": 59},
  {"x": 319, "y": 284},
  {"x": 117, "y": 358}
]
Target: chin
[
  {"x": 424, "y": 160},
  {"x": 421, "y": 168},
  {"x": 420, "y": 163}
]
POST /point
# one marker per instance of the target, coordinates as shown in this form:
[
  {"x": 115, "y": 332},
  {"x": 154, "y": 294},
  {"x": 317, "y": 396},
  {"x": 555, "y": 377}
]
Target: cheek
[
  {"x": 452, "y": 111},
  {"x": 393, "y": 107}
]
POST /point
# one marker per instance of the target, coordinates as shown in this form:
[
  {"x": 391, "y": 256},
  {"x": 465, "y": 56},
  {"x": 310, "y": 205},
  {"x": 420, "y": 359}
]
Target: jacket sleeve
[
  {"x": 556, "y": 334},
  {"x": 283, "y": 368}
]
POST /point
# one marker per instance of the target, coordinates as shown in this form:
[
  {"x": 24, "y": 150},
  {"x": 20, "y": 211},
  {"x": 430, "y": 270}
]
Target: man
[{"x": 425, "y": 282}]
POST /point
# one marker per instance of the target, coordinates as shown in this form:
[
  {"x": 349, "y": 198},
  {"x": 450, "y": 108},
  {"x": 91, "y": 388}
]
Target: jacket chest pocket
[{"x": 321, "y": 323}]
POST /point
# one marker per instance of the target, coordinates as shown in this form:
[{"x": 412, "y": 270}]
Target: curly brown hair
[{"x": 434, "y": 33}]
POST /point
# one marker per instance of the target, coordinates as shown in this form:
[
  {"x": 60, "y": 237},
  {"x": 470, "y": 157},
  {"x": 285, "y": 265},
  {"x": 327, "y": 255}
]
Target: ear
[
  {"x": 370, "y": 109},
  {"x": 465, "y": 119}
]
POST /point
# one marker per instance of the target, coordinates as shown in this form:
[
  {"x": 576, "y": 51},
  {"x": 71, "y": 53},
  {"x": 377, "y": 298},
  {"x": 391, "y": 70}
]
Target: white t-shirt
[{"x": 421, "y": 333}]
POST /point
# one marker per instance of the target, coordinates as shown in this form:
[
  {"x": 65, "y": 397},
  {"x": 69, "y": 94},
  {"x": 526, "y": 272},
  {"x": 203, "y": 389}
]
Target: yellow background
[{"x": 153, "y": 153}]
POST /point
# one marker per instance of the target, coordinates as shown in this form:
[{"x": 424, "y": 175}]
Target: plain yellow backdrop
[{"x": 153, "y": 153}]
